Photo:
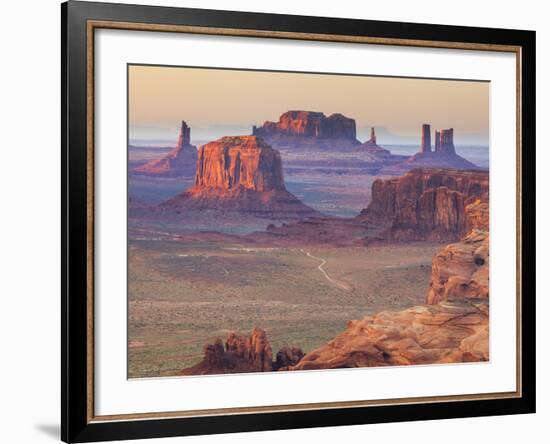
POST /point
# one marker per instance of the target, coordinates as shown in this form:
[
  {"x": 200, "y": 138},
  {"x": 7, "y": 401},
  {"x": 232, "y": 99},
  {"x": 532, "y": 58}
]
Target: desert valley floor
[{"x": 183, "y": 295}]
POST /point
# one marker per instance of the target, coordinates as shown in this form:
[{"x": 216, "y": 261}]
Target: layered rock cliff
[
  {"x": 309, "y": 130},
  {"x": 181, "y": 161},
  {"x": 240, "y": 174},
  {"x": 426, "y": 204}
]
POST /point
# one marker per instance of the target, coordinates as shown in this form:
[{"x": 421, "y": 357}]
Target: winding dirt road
[{"x": 339, "y": 284}]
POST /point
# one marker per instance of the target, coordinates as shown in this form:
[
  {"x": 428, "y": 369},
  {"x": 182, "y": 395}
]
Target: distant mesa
[
  {"x": 240, "y": 174},
  {"x": 181, "y": 161},
  {"x": 443, "y": 156},
  {"x": 309, "y": 130},
  {"x": 309, "y": 124}
]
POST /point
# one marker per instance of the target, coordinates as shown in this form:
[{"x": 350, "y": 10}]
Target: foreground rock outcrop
[
  {"x": 309, "y": 130},
  {"x": 241, "y": 174},
  {"x": 449, "y": 332},
  {"x": 243, "y": 355},
  {"x": 181, "y": 161},
  {"x": 426, "y": 204}
]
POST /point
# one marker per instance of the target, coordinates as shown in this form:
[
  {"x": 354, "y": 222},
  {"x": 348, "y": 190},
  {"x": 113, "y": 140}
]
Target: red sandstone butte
[
  {"x": 241, "y": 174},
  {"x": 181, "y": 161}
]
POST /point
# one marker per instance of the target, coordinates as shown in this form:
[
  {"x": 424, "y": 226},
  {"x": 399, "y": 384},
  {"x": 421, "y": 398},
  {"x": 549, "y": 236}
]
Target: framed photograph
[{"x": 275, "y": 221}]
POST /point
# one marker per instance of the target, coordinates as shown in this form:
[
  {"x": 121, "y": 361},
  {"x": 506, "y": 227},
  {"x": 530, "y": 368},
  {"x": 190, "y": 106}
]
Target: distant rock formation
[
  {"x": 243, "y": 355},
  {"x": 240, "y": 174},
  {"x": 371, "y": 147},
  {"x": 309, "y": 130},
  {"x": 444, "y": 155},
  {"x": 309, "y": 124},
  {"x": 181, "y": 161},
  {"x": 426, "y": 204},
  {"x": 452, "y": 332}
]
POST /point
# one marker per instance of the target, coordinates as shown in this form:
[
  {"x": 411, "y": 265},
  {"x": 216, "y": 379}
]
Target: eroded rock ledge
[{"x": 455, "y": 331}]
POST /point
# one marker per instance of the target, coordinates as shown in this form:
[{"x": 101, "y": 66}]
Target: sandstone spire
[
  {"x": 372, "y": 135},
  {"x": 184, "y": 138},
  {"x": 426, "y": 139},
  {"x": 437, "y": 141},
  {"x": 447, "y": 144}
]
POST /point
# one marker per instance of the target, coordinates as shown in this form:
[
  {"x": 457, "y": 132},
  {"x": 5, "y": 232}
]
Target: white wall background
[{"x": 30, "y": 208}]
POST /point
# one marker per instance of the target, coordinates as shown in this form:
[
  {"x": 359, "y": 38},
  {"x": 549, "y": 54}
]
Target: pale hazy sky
[{"x": 216, "y": 102}]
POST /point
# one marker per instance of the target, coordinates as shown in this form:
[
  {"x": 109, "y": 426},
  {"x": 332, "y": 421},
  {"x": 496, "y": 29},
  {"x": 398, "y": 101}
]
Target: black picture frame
[{"x": 76, "y": 423}]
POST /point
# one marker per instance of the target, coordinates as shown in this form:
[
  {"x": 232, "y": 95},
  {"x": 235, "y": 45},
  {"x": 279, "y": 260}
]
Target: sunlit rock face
[{"x": 239, "y": 162}]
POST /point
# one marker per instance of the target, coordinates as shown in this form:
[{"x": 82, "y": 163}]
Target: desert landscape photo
[{"x": 282, "y": 221}]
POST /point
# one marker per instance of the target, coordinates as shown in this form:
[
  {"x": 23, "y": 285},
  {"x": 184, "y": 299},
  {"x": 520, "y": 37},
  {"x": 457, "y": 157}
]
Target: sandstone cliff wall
[{"x": 426, "y": 203}]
